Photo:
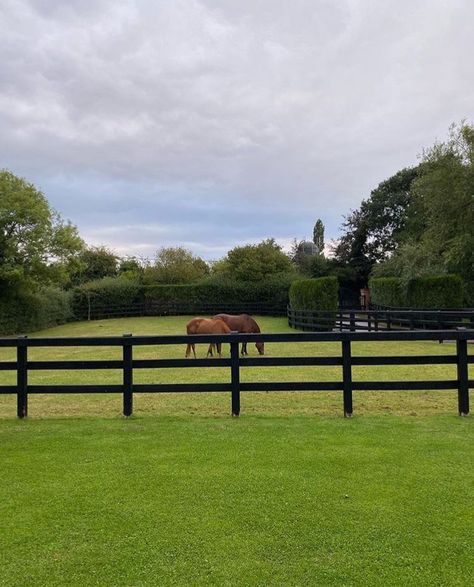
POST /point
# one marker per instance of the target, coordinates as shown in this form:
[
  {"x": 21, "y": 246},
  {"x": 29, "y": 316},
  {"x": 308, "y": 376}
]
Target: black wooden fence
[
  {"x": 380, "y": 320},
  {"x": 346, "y": 360}
]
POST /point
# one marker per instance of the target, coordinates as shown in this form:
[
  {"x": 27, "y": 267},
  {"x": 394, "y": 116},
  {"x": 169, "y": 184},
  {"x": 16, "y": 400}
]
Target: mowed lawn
[{"x": 290, "y": 493}]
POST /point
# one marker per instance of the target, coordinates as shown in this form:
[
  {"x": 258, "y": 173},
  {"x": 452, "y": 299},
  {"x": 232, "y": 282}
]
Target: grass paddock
[{"x": 290, "y": 493}]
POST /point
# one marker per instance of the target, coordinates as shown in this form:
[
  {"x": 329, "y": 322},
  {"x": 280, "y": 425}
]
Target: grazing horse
[
  {"x": 243, "y": 323},
  {"x": 206, "y": 326}
]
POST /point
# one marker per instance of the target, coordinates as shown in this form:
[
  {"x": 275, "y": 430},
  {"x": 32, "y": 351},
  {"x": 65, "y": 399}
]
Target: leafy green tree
[
  {"x": 440, "y": 236},
  {"x": 318, "y": 236},
  {"x": 96, "y": 263},
  {"x": 257, "y": 262},
  {"x": 374, "y": 231},
  {"x": 36, "y": 246},
  {"x": 132, "y": 268},
  {"x": 444, "y": 192},
  {"x": 176, "y": 265}
]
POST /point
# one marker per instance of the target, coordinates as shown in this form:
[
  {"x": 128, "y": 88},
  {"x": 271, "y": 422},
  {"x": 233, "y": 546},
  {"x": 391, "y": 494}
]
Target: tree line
[{"x": 417, "y": 222}]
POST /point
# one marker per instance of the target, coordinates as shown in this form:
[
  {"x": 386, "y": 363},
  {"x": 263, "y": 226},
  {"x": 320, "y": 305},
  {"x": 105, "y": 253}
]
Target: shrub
[
  {"x": 443, "y": 292},
  {"x": 28, "y": 311},
  {"x": 220, "y": 295},
  {"x": 387, "y": 291},
  {"x": 313, "y": 295},
  {"x": 105, "y": 295},
  {"x": 436, "y": 292}
]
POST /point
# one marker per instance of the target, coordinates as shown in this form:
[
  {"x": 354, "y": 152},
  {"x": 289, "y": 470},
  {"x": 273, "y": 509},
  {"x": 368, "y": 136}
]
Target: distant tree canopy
[
  {"x": 374, "y": 231},
  {"x": 175, "y": 265},
  {"x": 438, "y": 236},
  {"x": 37, "y": 247},
  {"x": 255, "y": 262},
  {"x": 96, "y": 263}
]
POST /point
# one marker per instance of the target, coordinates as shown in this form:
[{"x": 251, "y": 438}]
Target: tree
[
  {"x": 96, "y": 263},
  {"x": 36, "y": 246},
  {"x": 444, "y": 192},
  {"x": 439, "y": 235},
  {"x": 318, "y": 236},
  {"x": 387, "y": 218},
  {"x": 176, "y": 265},
  {"x": 256, "y": 262}
]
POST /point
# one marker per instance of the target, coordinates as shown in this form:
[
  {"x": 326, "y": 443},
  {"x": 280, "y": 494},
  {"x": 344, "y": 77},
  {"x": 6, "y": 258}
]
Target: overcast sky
[{"x": 212, "y": 123}]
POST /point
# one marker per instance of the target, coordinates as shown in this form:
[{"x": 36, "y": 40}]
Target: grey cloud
[{"x": 128, "y": 108}]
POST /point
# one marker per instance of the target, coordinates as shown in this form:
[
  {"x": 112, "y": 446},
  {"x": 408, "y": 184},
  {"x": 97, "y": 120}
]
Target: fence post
[
  {"x": 352, "y": 321},
  {"x": 235, "y": 377},
  {"x": 347, "y": 378},
  {"x": 340, "y": 320},
  {"x": 463, "y": 382},
  {"x": 22, "y": 377},
  {"x": 387, "y": 320},
  {"x": 376, "y": 322},
  {"x": 127, "y": 349}
]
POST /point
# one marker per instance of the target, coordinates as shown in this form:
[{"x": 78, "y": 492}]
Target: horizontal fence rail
[
  {"x": 23, "y": 365},
  {"x": 379, "y": 320},
  {"x": 98, "y": 311}
]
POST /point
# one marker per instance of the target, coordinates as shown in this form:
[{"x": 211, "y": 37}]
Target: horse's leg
[
  {"x": 209, "y": 351},
  {"x": 244, "y": 348},
  {"x": 188, "y": 350},
  {"x": 194, "y": 349},
  {"x": 219, "y": 348}
]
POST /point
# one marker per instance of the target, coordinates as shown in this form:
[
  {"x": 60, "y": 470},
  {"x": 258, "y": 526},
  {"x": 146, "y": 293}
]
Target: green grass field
[{"x": 291, "y": 493}]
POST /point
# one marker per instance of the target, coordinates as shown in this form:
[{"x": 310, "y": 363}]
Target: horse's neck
[{"x": 254, "y": 326}]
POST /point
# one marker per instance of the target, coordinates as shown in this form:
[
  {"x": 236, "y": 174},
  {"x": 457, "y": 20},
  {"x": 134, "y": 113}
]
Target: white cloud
[{"x": 120, "y": 108}]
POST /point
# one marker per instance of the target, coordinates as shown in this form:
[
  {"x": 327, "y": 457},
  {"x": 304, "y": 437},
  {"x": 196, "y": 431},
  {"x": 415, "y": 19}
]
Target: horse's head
[{"x": 260, "y": 348}]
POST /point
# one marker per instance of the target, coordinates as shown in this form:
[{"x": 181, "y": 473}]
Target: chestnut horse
[
  {"x": 243, "y": 323},
  {"x": 206, "y": 326}
]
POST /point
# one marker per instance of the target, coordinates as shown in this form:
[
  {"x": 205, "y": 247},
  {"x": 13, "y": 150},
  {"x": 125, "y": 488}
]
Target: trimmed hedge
[
  {"x": 270, "y": 293},
  {"x": 27, "y": 312},
  {"x": 313, "y": 295},
  {"x": 387, "y": 291},
  {"x": 123, "y": 297},
  {"x": 437, "y": 292},
  {"x": 107, "y": 293}
]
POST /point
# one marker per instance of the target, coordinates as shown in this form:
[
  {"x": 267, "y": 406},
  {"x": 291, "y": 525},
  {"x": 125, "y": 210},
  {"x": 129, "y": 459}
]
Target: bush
[
  {"x": 27, "y": 312},
  {"x": 436, "y": 292},
  {"x": 105, "y": 295},
  {"x": 313, "y": 295},
  {"x": 443, "y": 292},
  {"x": 270, "y": 295},
  {"x": 387, "y": 291}
]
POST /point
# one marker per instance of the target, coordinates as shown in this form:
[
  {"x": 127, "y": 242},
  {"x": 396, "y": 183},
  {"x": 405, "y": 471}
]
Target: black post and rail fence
[
  {"x": 379, "y": 320},
  {"x": 346, "y": 360}
]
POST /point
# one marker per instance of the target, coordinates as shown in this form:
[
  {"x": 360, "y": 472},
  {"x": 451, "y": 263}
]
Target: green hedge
[
  {"x": 120, "y": 295},
  {"x": 105, "y": 294},
  {"x": 313, "y": 295},
  {"x": 27, "y": 312},
  {"x": 387, "y": 291},
  {"x": 437, "y": 292},
  {"x": 269, "y": 294}
]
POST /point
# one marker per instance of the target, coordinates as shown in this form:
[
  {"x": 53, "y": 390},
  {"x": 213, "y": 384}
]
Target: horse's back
[
  {"x": 193, "y": 325},
  {"x": 213, "y": 326},
  {"x": 240, "y": 322}
]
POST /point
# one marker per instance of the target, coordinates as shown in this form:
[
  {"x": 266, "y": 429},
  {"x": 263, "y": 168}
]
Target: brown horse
[
  {"x": 243, "y": 323},
  {"x": 206, "y": 326}
]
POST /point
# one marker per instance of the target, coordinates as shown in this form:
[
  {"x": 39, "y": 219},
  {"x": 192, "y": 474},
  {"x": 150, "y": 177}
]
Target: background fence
[
  {"x": 380, "y": 320},
  {"x": 127, "y": 365}
]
